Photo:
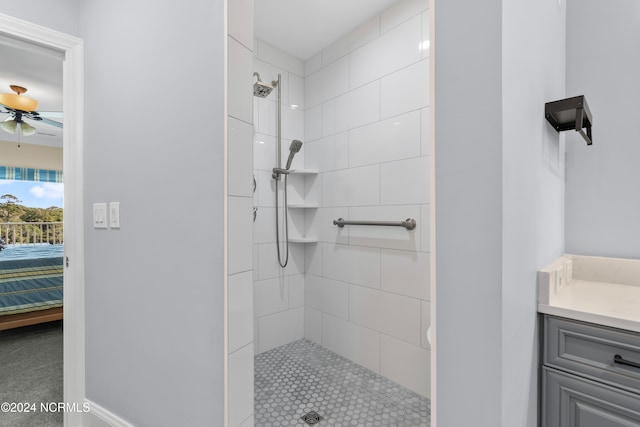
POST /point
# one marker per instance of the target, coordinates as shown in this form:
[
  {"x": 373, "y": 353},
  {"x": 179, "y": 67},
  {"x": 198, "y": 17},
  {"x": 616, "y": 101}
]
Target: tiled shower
[{"x": 360, "y": 106}]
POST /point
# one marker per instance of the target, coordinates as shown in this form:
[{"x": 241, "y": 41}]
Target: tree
[{"x": 9, "y": 208}]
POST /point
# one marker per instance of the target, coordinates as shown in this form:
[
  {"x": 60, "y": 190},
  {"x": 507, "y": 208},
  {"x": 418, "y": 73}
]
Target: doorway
[
  {"x": 26, "y": 35},
  {"x": 331, "y": 101}
]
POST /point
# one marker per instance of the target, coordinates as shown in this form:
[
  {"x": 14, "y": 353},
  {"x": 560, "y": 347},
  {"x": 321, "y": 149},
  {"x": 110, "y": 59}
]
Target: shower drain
[{"x": 312, "y": 418}]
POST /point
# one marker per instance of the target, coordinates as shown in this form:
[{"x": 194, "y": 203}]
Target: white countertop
[
  {"x": 583, "y": 296},
  {"x": 608, "y": 304}
]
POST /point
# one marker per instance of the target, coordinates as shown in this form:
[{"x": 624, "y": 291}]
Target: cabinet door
[{"x": 570, "y": 401}]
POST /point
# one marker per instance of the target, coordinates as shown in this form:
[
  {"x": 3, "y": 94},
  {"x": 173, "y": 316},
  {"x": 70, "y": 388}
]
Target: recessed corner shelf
[
  {"x": 570, "y": 113},
  {"x": 303, "y": 172},
  {"x": 303, "y": 239},
  {"x": 303, "y": 205}
]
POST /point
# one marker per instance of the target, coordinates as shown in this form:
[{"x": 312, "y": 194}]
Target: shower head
[
  {"x": 260, "y": 88},
  {"x": 295, "y": 146},
  {"x": 293, "y": 149}
]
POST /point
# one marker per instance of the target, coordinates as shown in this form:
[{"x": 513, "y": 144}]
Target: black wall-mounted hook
[{"x": 570, "y": 113}]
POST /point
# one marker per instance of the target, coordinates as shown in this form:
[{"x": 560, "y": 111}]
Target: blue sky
[{"x": 34, "y": 194}]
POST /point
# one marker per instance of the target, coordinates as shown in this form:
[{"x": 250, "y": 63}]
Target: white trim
[
  {"x": 225, "y": 204},
  {"x": 73, "y": 153},
  {"x": 97, "y": 416},
  {"x": 73, "y": 95},
  {"x": 432, "y": 214}
]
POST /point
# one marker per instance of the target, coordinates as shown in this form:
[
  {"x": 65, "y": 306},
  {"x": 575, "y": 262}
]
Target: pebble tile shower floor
[{"x": 293, "y": 380}]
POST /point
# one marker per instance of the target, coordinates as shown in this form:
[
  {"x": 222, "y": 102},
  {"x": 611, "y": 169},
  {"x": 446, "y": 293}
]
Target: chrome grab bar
[{"x": 408, "y": 223}]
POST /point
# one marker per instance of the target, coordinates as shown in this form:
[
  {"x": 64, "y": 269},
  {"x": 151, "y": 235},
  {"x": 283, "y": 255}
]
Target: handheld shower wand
[
  {"x": 277, "y": 172},
  {"x": 294, "y": 148}
]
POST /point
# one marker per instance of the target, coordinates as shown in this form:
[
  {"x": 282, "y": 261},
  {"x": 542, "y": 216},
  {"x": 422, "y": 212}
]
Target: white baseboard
[{"x": 101, "y": 417}]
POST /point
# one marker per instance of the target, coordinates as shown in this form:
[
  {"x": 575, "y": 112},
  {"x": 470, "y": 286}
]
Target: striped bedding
[{"x": 29, "y": 284}]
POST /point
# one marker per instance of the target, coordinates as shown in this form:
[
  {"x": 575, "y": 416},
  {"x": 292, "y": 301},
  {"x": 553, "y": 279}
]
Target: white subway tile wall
[
  {"x": 370, "y": 144},
  {"x": 313, "y": 64},
  {"x": 358, "y": 37},
  {"x": 240, "y": 58},
  {"x": 425, "y": 236},
  {"x": 405, "y": 90},
  {"x": 239, "y": 14},
  {"x": 280, "y": 328},
  {"x": 351, "y": 264},
  {"x": 272, "y": 294},
  {"x": 367, "y": 288},
  {"x": 328, "y": 296},
  {"x": 405, "y": 364},
  {"x": 403, "y": 182},
  {"x": 273, "y": 55},
  {"x": 350, "y": 340},
  {"x": 240, "y": 310},
  {"x": 358, "y": 107},
  {"x": 327, "y": 83},
  {"x": 351, "y": 187},
  {"x": 426, "y": 42},
  {"x": 425, "y": 314},
  {"x": 240, "y": 135},
  {"x": 241, "y": 383},
  {"x": 401, "y": 47},
  {"x": 313, "y": 123},
  {"x": 405, "y": 273},
  {"x": 386, "y": 237},
  {"x": 268, "y": 266},
  {"x": 399, "y": 13},
  {"x": 296, "y": 291},
  {"x": 249, "y": 422},
  {"x": 240, "y": 233},
  {"x": 313, "y": 325},
  {"x": 424, "y": 131},
  {"x": 391, "y": 314},
  {"x": 329, "y": 153},
  {"x": 361, "y": 108},
  {"x": 239, "y": 206},
  {"x": 279, "y": 292}
]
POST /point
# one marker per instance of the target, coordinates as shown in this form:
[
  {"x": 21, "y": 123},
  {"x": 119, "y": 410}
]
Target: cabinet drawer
[
  {"x": 591, "y": 351},
  {"x": 570, "y": 401}
]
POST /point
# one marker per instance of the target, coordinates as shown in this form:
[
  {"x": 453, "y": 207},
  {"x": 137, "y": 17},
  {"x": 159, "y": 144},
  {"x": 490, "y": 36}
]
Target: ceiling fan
[{"x": 21, "y": 107}]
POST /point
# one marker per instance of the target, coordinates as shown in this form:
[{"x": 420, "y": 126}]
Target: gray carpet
[{"x": 31, "y": 372}]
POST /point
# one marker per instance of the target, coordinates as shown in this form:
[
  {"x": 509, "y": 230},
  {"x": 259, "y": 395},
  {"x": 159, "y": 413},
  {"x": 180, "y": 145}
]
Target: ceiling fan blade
[
  {"x": 51, "y": 122},
  {"x": 34, "y": 115}
]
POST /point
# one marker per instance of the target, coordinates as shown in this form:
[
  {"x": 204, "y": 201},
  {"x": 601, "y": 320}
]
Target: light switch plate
[
  {"x": 99, "y": 215},
  {"x": 114, "y": 214}
]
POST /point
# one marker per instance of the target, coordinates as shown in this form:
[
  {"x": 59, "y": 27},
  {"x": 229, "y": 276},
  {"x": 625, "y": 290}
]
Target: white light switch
[
  {"x": 114, "y": 214},
  {"x": 99, "y": 215}
]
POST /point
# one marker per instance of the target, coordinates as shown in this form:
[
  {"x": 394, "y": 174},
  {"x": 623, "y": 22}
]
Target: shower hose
[{"x": 286, "y": 226}]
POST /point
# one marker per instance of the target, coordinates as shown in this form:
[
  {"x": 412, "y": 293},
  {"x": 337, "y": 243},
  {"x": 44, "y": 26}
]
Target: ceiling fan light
[
  {"x": 18, "y": 102},
  {"x": 27, "y": 129},
  {"x": 9, "y": 125}
]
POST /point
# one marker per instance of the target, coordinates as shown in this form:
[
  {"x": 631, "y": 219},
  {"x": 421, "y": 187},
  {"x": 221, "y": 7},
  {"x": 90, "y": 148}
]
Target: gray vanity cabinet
[{"x": 590, "y": 375}]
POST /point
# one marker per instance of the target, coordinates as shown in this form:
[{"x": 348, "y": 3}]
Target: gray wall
[
  {"x": 468, "y": 145},
  {"x": 60, "y": 15},
  {"x": 533, "y": 69},
  {"x": 602, "y": 203},
  {"x": 499, "y": 202},
  {"x": 154, "y": 112}
]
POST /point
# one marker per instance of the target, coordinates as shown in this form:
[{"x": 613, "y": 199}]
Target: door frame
[{"x": 73, "y": 95}]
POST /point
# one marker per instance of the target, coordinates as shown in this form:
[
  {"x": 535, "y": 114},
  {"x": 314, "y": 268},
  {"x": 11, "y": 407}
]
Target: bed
[{"x": 31, "y": 279}]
